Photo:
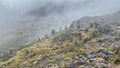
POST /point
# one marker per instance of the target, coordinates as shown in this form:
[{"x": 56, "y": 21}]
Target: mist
[
  {"x": 16, "y": 12},
  {"x": 41, "y": 16}
]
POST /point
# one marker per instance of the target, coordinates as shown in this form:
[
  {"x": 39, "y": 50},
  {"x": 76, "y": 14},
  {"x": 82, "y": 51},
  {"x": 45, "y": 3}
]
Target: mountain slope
[
  {"x": 90, "y": 45},
  {"x": 105, "y": 19},
  {"x": 67, "y": 45}
]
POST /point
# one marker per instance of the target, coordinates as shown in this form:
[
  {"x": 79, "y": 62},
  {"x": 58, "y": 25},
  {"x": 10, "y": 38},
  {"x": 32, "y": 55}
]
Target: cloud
[
  {"x": 46, "y": 15},
  {"x": 22, "y": 6},
  {"x": 18, "y": 11}
]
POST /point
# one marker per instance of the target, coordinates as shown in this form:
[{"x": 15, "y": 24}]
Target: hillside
[
  {"x": 105, "y": 19},
  {"x": 96, "y": 45},
  {"x": 31, "y": 30}
]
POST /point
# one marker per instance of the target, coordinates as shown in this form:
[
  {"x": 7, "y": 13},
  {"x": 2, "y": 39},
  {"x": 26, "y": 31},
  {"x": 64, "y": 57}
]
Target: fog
[
  {"x": 15, "y": 12},
  {"x": 46, "y": 15}
]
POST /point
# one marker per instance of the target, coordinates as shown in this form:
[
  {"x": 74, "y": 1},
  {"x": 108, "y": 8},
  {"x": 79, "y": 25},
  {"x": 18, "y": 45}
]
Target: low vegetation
[{"x": 71, "y": 48}]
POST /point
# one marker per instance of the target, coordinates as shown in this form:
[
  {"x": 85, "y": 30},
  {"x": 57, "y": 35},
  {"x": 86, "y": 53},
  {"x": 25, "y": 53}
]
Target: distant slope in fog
[{"x": 105, "y": 19}]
